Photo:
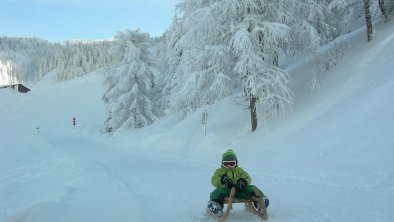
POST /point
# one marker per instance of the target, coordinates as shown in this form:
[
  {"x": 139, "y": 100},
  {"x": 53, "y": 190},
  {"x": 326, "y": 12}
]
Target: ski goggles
[{"x": 229, "y": 164}]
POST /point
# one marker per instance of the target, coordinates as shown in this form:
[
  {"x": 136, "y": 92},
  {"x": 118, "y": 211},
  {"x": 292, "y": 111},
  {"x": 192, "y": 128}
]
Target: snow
[{"x": 328, "y": 160}]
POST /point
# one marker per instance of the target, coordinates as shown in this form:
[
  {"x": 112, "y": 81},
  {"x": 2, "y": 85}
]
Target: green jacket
[{"x": 234, "y": 174}]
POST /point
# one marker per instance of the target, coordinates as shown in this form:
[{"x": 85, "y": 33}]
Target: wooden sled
[
  {"x": 229, "y": 201},
  {"x": 248, "y": 204}
]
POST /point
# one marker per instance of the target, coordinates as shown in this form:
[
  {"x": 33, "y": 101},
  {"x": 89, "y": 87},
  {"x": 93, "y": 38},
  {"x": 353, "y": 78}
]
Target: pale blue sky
[{"x": 61, "y": 20}]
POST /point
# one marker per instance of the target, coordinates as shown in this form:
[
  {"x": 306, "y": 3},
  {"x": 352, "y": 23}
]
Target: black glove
[
  {"x": 241, "y": 184},
  {"x": 225, "y": 180}
]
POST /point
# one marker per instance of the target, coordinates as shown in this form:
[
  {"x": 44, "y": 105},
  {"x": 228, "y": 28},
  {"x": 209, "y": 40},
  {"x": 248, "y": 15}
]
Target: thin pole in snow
[{"x": 205, "y": 121}]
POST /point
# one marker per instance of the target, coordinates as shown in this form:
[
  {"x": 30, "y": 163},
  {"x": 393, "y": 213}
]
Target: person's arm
[
  {"x": 216, "y": 178},
  {"x": 244, "y": 175}
]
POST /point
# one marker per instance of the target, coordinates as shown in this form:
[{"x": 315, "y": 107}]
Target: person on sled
[{"x": 227, "y": 176}]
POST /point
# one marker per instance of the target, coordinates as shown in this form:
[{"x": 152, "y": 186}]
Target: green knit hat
[{"x": 229, "y": 155}]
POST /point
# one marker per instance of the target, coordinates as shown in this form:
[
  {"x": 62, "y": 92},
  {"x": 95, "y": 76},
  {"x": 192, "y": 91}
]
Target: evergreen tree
[
  {"x": 236, "y": 45},
  {"x": 129, "y": 83},
  {"x": 167, "y": 63}
]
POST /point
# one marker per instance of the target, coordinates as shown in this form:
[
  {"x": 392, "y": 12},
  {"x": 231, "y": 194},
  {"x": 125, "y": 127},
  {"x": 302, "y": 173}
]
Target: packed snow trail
[
  {"x": 112, "y": 185},
  {"x": 109, "y": 184}
]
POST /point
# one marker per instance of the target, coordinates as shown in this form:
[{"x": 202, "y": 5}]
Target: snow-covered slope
[{"x": 328, "y": 160}]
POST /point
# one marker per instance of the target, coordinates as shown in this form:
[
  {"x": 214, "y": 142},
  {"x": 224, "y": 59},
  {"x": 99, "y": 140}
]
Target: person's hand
[
  {"x": 241, "y": 184},
  {"x": 225, "y": 180}
]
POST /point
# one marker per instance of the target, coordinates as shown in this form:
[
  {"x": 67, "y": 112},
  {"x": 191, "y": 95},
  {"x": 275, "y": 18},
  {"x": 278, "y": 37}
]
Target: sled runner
[
  {"x": 229, "y": 201},
  {"x": 263, "y": 214}
]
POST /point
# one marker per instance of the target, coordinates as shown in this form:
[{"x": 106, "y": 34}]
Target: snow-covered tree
[
  {"x": 351, "y": 10},
  {"x": 368, "y": 20},
  {"x": 129, "y": 83},
  {"x": 237, "y": 45},
  {"x": 167, "y": 63},
  {"x": 383, "y": 9}
]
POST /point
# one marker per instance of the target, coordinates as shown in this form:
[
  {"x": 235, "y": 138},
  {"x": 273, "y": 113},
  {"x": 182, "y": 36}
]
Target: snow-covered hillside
[
  {"x": 328, "y": 160},
  {"x": 5, "y": 79}
]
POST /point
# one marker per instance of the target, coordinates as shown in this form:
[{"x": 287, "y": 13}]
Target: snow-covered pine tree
[
  {"x": 236, "y": 45},
  {"x": 201, "y": 74},
  {"x": 261, "y": 81},
  {"x": 167, "y": 61},
  {"x": 129, "y": 83}
]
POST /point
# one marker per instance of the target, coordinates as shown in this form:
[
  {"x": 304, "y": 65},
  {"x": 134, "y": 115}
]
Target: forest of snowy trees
[
  {"x": 32, "y": 58},
  {"x": 212, "y": 49}
]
